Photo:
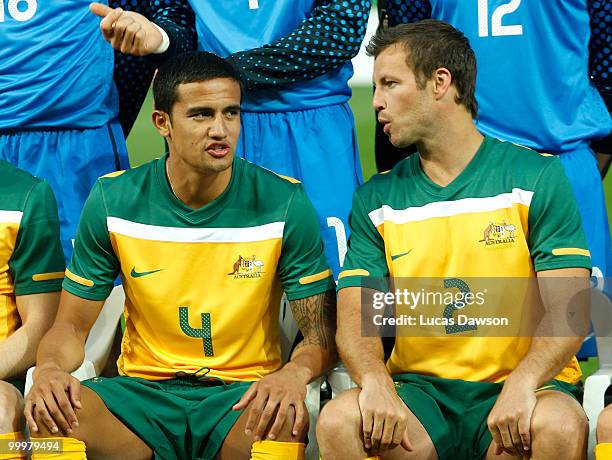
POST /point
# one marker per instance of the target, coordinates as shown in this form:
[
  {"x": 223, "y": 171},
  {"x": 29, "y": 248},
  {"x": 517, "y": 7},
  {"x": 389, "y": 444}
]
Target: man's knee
[
  {"x": 340, "y": 419},
  {"x": 559, "y": 423},
  {"x": 85, "y": 417},
  {"x": 604, "y": 425},
  {"x": 286, "y": 434},
  {"x": 11, "y": 406}
]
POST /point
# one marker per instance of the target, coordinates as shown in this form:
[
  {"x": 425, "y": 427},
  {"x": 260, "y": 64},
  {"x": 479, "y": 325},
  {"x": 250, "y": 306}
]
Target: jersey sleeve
[
  {"x": 365, "y": 264},
  {"x": 177, "y": 18},
  {"x": 37, "y": 263},
  {"x": 323, "y": 42},
  {"x": 407, "y": 11},
  {"x": 556, "y": 239},
  {"x": 600, "y": 55},
  {"x": 303, "y": 268},
  {"x": 132, "y": 74},
  {"x": 94, "y": 265}
]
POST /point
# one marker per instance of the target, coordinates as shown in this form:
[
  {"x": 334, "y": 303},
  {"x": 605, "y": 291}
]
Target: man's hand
[
  {"x": 510, "y": 419},
  {"x": 384, "y": 417},
  {"x": 53, "y": 397},
  {"x": 275, "y": 393},
  {"x": 126, "y": 31}
]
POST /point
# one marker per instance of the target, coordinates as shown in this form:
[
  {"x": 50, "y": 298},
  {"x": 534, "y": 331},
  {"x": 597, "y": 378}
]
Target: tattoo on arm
[{"x": 316, "y": 318}]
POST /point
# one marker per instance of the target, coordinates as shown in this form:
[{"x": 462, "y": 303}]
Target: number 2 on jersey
[{"x": 497, "y": 29}]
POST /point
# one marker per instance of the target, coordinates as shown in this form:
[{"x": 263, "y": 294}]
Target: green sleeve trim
[
  {"x": 73, "y": 288},
  {"x": 312, "y": 289},
  {"x": 574, "y": 262},
  {"x": 349, "y": 281},
  {"x": 378, "y": 284},
  {"x": 40, "y": 288}
]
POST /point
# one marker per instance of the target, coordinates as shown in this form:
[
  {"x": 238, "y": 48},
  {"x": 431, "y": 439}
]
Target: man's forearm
[
  {"x": 17, "y": 354},
  {"x": 565, "y": 295},
  {"x": 363, "y": 356},
  {"x": 18, "y": 351},
  {"x": 61, "y": 348},
  {"x": 333, "y": 32},
  {"x": 546, "y": 358},
  {"x": 316, "y": 318},
  {"x": 310, "y": 361}
]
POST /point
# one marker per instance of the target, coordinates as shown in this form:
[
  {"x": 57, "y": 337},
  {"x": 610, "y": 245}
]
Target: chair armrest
[
  {"x": 100, "y": 339},
  {"x": 340, "y": 380},
  {"x": 313, "y": 405}
]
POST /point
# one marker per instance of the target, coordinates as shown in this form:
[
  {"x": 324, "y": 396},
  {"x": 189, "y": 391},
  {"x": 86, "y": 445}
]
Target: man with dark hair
[
  {"x": 294, "y": 59},
  {"x": 466, "y": 209},
  {"x": 204, "y": 265},
  {"x": 545, "y": 82}
]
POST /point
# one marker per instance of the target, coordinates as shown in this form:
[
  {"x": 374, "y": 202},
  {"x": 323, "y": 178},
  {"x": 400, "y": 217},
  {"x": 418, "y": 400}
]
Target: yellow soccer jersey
[
  {"x": 31, "y": 258},
  {"x": 508, "y": 215},
  {"x": 202, "y": 286}
]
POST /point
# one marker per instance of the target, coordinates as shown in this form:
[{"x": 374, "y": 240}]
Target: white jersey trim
[
  {"x": 195, "y": 235},
  {"x": 450, "y": 208},
  {"x": 11, "y": 217}
]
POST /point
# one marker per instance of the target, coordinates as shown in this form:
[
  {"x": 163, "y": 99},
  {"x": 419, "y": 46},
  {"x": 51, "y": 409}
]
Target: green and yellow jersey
[
  {"x": 509, "y": 214},
  {"x": 31, "y": 257},
  {"x": 203, "y": 286}
]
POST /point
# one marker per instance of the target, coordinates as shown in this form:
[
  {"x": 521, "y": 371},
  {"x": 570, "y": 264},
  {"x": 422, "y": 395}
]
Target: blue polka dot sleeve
[
  {"x": 326, "y": 40},
  {"x": 600, "y": 12},
  {"x": 178, "y": 20},
  {"x": 404, "y": 11},
  {"x": 600, "y": 45},
  {"x": 132, "y": 74}
]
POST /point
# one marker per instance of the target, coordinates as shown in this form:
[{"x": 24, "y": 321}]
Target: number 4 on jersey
[{"x": 204, "y": 333}]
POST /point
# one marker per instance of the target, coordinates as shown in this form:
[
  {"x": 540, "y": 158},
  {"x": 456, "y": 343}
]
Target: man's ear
[
  {"x": 161, "y": 121},
  {"x": 442, "y": 81}
]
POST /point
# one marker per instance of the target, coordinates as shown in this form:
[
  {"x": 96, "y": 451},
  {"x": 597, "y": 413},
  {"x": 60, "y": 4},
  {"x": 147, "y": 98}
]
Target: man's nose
[
  {"x": 218, "y": 128},
  {"x": 378, "y": 101}
]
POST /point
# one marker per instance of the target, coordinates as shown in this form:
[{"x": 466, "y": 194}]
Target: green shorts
[
  {"x": 454, "y": 412},
  {"x": 176, "y": 418}
]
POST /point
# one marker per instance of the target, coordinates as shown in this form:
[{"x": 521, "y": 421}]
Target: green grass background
[{"x": 145, "y": 144}]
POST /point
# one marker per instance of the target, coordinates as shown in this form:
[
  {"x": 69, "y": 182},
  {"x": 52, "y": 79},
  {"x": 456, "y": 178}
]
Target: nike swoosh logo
[
  {"x": 135, "y": 274},
  {"x": 397, "y": 256}
]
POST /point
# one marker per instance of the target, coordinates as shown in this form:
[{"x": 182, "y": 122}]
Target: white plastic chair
[
  {"x": 288, "y": 333},
  {"x": 340, "y": 380}
]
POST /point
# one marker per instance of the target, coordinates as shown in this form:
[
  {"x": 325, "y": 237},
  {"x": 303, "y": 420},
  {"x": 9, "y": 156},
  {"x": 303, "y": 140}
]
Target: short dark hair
[
  {"x": 188, "y": 68},
  {"x": 429, "y": 45}
]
